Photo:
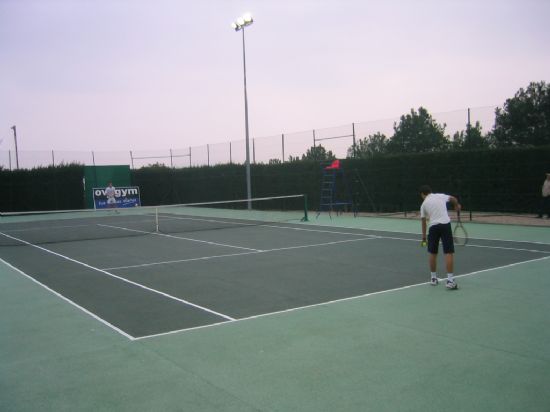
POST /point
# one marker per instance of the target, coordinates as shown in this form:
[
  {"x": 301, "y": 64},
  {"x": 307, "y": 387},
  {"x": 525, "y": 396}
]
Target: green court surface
[{"x": 331, "y": 315}]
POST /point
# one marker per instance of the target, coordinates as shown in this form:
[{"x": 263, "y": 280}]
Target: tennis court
[{"x": 227, "y": 313}]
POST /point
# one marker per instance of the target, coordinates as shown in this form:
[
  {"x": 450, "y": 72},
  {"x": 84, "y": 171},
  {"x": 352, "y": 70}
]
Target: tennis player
[
  {"x": 110, "y": 192},
  {"x": 434, "y": 211}
]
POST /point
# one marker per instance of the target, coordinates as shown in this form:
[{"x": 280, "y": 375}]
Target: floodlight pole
[
  {"x": 240, "y": 25},
  {"x": 248, "y": 183},
  {"x": 16, "y": 151}
]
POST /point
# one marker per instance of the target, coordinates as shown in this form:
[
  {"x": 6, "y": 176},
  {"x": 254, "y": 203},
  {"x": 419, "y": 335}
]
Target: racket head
[{"x": 460, "y": 236}]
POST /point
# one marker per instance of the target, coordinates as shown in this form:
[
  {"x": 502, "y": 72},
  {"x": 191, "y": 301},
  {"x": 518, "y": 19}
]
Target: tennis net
[{"x": 36, "y": 228}]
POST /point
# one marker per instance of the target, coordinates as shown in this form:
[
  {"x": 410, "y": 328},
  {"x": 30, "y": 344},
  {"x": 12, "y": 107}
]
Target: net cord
[{"x": 156, "y": 207}]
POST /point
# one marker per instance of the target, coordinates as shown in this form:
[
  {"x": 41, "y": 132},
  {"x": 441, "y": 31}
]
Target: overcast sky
[{"x": 144, "y": 74}]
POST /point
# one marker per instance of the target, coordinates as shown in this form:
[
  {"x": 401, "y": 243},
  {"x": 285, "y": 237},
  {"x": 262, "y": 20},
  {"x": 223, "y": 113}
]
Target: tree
[
  {"x": 416, "y": 133},
  {"x": 472, "y": 138},
  {"x": 293, "y": 158},
  {"x": 525, "y": 119},
  {"x": 374, "y": 144},
  {"x": 318, "y": 153}
]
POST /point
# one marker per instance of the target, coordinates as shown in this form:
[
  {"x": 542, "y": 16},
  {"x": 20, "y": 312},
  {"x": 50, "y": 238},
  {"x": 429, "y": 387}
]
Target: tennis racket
[{"x": 460, "y": 235}]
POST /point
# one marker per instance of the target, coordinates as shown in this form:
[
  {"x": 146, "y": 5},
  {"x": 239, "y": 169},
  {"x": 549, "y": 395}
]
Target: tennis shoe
[
  {"x": 434, "y": 282},
  {"x": 451, "y": 284}
]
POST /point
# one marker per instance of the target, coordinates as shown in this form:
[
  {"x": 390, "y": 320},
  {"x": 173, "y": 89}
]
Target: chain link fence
[{"x": 263, "y": 150}]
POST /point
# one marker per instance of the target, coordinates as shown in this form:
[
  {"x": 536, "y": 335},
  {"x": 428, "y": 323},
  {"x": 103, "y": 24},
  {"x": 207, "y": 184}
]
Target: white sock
[
  {"x": 450, "y": 277},
  {"x": 433, "y": 275}
]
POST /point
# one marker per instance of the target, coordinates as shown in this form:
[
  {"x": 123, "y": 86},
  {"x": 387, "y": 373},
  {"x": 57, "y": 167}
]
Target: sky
[{"x": 144, "y": 74}]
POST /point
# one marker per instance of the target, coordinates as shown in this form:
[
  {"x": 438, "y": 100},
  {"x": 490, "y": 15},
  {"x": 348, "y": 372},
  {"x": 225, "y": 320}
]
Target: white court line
[
  {"x": 197, "y": 219},
  {"x": 172, "y": 332},
  {"x": 59, "y": 295},
  {"x": 501, "y": 267},
  {"x": 338, "y": 233},
  {"x": 478, "y": 246},
  {"x": 167, "y": 262},
  {"x": 406, "y": 239},
  {"x": 534, "y": 242},
  {"x": 180, "y": 237},
  {"x": 237, "y": 254},
  {"x": 255, "y": 251},
  {"x": 166, "y": 295}
]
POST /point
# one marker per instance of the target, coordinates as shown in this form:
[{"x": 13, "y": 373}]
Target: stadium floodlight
[
  {"x": 239, "y": 25},
  {"x": 242, "y": 21}
]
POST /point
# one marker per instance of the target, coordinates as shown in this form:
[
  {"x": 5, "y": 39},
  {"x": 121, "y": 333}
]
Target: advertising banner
[{"x": 124, "y": 196}]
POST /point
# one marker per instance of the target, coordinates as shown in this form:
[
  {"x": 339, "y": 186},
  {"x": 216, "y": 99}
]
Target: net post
[
  {"x": 305, "y": 219},
  {"x": 156, "y": 219}
]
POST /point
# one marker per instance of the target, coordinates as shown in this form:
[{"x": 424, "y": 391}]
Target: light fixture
[{"x": 242, "y": 21}]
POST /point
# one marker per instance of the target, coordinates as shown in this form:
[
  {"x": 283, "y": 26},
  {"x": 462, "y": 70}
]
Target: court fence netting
[{"x": 36, "y": 228}]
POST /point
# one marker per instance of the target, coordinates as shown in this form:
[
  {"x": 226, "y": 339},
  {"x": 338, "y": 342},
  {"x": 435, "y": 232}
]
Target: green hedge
[
  {"x": 48, "y": 188},
  {"x": 503, "y": 180}
]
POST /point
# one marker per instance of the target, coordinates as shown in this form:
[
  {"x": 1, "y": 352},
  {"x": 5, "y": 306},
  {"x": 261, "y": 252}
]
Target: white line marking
[
  {"x": 235, "y": 254},
  {"x": 468, "y": 245},
  {"x": 502, "y": 267},
  {"x": 509, "y": 248},
  {"x": 180, "y": 261},
  {"x": 202, "y": 219},
  {"x": 318, "y": 244},
  {"x": 122, "y": 279},
  {"x": 180, "y": 237},
  {"x": 366, "y": 295},
  {"x": 86, "y": 311},
  {"x": 416, "y": 233},
  {"x": 254, "y": 251}
]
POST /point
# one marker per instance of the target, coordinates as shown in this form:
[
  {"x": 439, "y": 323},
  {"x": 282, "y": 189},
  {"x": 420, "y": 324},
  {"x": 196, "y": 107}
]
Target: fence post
[
  {"x": 254, "y": 151},
  {"x": 469, "y": 125},
  {"x": 132, "y": 159},
  {"x": 230, "y": 157},
  {"x": 189, "y": 156},
  {"x": 53, "y": 159},
  {"x": 207, "y": 154},
  {"x": 283, "y": 146},
  {"x": 354, "y": 146},
  {"x": 313, "y": 137}
]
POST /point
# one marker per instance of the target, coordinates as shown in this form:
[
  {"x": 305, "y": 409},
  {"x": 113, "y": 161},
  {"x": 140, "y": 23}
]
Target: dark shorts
[{"x": 443, "y": 232}]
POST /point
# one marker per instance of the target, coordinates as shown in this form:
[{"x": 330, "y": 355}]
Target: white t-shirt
[
  {"x": 434, "y": 208},
  {"x": 110, "y": 194}
]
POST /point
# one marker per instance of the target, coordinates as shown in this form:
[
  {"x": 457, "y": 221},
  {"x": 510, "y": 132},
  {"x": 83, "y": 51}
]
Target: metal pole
[
  {"x": 16, "y": 151},
  {"x": 313, "y": 137},
  {"x": 469, "y": 126},
  {"x": 171, "y": 160},
  {"x": 354, "y": 146},
  {"x": 230, "y": 156},
  {"x": 283, "y": 145},
  {"x": 254, "y": 151},
  {"x": 248, "y": 184},
  {"x": 207, "y": 154},
  {"x": 53, "y": 159},
  {"x": 132, "y": 159}
]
